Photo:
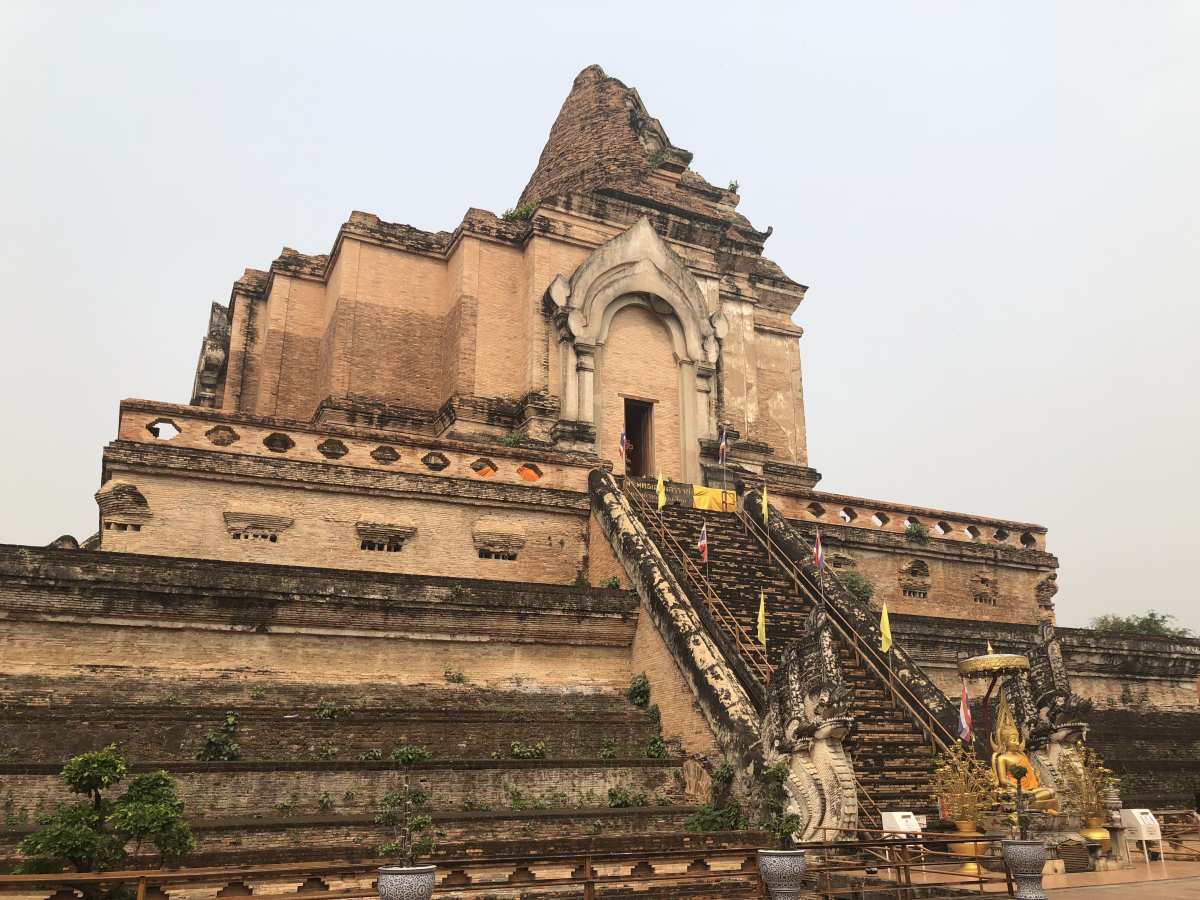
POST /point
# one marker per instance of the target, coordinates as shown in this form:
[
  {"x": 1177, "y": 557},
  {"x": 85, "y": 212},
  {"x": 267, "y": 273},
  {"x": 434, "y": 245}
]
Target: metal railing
[
  {"x": 751, "y": 650},
  {"x": 884, "y": 864},
  {"x": 864, "y": 650}
]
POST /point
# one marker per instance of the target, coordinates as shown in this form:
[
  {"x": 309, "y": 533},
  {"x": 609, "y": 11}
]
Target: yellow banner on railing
[{"x": 713, "y": 498}]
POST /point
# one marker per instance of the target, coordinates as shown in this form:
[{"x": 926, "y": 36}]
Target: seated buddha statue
[{"x": 1009, "y": 752}]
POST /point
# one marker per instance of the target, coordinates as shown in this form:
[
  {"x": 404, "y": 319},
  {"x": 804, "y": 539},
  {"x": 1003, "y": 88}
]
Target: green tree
[
  {"x": 1152, "y": 622},
  {"x": 94, "y": 834},
  {"x": 405, "y": 811},
  {"x": 858, "y": 585}
]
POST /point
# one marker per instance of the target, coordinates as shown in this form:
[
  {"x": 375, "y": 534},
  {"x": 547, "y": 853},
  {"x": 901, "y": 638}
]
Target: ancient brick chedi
[{"x": 401, "y": 473}]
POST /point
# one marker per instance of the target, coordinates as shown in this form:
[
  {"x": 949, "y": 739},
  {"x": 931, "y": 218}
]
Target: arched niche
[{"x": 637, "y": 268}]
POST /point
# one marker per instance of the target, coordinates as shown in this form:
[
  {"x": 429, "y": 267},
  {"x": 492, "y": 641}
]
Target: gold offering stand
[{"x": 992, "y": 666}]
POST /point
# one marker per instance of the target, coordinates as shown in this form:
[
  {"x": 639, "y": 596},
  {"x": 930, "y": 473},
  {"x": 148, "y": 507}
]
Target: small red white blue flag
[
  {"x": 624, "y": 445},
  {"x": 965, "y": 730},
  {"x": 702, "y": 545},
  {"x": 818, "y": 553},
  {"x": 723, "y": 447}
]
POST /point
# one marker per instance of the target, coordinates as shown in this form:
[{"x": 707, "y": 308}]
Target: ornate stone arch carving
[{"x": 637, "y": 268}]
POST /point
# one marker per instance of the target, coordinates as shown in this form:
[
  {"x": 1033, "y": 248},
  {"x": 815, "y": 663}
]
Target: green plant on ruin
[
  {"x": 372, "y": 755},
  {"x": 1088, "y": 782},
  {"x": 323, "y": 751},
  {"x": 404, "y": 810},
  {"x": 220, "y": 745},
  {"x": 8, "y": 754},
  {"x": 581, "y": 579},
  {"x": 14, "y": 816},
  {"x": 965, "y": 786},
  {"x": 657, "y": 158},
  {"x": 95, "y": 834},
  {"x": 517, "y": 750},
  {"x": 734, "y": 185},
  {"x": 858, "y": 584},
  {"x": 622, "y": 798},
  {"x": 722, "y": 812},
  {"x": 348, "y": 797},
  {"x": 917, "y": 533},
  {"x": 327, "y": 710},
  {"x": 473, "y": 805},
  {"x": 639, "y": 691},
  {"x": 512, "y": 439},
  {"x": 596, "y": 827},
  {"x": 608, "y": 749},
  {"x": 655, "y": 715},
  {"x": 287, "y": 808},
  {"x": 657, "y": 748},
  {"x": 257, "y": 693},
  {"x": 612, "y": 583},
  {"x": 776, "y": 819},
  {"x": 453, "y": 675},
  {"x": 522, "y": 213},
  {"x": 171, "y": 698},
  {"x": 325, "y": 802}
]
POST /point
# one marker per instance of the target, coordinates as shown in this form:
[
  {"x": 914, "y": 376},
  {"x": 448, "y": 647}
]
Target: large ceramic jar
[
  {"x": 783, "y": 872},
  {"x": 1025, "y": 860},
  {"x": 406, "y": 882}
]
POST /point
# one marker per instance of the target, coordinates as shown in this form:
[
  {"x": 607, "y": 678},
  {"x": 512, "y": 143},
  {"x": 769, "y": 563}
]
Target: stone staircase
[{"x": 893, "y": 762}]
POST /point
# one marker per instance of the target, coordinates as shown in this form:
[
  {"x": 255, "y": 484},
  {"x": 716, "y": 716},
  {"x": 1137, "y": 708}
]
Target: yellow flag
[
  {"x": 662, "y": 491},
  {"x": 762, "y": 618},
  {"x": 885, "y": 631},
  {"x": 990, "y": 650},
  {"x": 764, "y": 505}
]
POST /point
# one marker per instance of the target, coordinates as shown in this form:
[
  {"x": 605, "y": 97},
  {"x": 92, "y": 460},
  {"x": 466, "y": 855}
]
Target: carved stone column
[{"x": 585, "y": 371}]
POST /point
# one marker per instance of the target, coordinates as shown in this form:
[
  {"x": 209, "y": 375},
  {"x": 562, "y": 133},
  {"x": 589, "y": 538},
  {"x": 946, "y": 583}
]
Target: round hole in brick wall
[
  {"x": 529, "y": 472},
  {"x": 816, "y": 509},
  {"x": 943, "y": 528},
  {"x": 847, "y": 515},
  {"x": 880, "y": 519}
]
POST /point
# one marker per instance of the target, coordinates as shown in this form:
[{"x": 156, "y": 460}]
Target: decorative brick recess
[
  {"x": 222, "y": 435},
  {"x": 484, "y": 468},
  {"x": 385, "y": 455},
  {"x": 332, "y": 448},
  {"x": 382, "y": 537},
  {"x": 277, "y": 442},
  {"x": 435, "y": 461}
]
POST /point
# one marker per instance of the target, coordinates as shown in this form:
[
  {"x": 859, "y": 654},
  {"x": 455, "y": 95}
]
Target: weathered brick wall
[
  {"x": 188, "y": 519},
  {"x": 223, "y": 790},
  {"x": 1155, "y": 753},
  {"x": 602, "y": 562},
  {"x": 69, "y": 612},
  {"x": 637, "y": 361},
  {"x": 49, "y": 719},
  {"x": 682, "y": 718}
]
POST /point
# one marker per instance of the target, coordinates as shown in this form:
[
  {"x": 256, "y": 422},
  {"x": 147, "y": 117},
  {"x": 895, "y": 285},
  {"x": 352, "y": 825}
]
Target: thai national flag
[
  {"x": 702, "y": 545},
  {"x": 624, "y": 444},
  {"x": 819, "y": 553},
  {"x": 723, "y": 448},
  {"x": 964, "y": 717}
]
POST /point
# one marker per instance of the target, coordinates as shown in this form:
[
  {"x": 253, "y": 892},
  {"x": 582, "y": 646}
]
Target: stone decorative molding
[
  {"x": 806, "y": 723},
  {"x": 256, "y": 524},
  {"x": 385, "y": 533},
  {"x": 122, "y": 503},
  {"x": 636, "y": 268},
  {"x": 498, "y": 535},
  {"x": 209, "y": 383}
]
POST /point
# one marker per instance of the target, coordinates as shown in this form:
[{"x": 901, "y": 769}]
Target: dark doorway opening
[{"x": 639, "y": 435}]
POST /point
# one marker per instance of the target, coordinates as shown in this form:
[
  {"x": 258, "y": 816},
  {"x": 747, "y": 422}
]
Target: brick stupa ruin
[{"x": 397, "y": 493}]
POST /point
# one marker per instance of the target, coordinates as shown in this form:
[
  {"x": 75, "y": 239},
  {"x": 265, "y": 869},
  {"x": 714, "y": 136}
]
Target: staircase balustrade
[{"x": 864, "y": 650}]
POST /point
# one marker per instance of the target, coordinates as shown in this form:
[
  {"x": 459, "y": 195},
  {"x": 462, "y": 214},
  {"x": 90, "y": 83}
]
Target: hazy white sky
[{"x": 995, "y": 207}]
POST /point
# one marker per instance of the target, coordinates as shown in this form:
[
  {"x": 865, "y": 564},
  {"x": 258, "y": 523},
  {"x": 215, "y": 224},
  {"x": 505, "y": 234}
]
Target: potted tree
[
  {"x": 782, "y": 869},
  {"x": 404, "y": 811},
  {"x": 1025, "y": 858}
]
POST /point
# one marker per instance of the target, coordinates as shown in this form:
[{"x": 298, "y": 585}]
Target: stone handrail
[{"x": 858, "y": 623}]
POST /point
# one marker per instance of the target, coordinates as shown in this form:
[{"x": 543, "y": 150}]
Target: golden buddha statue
[{"x": 1008, "y": 751}]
